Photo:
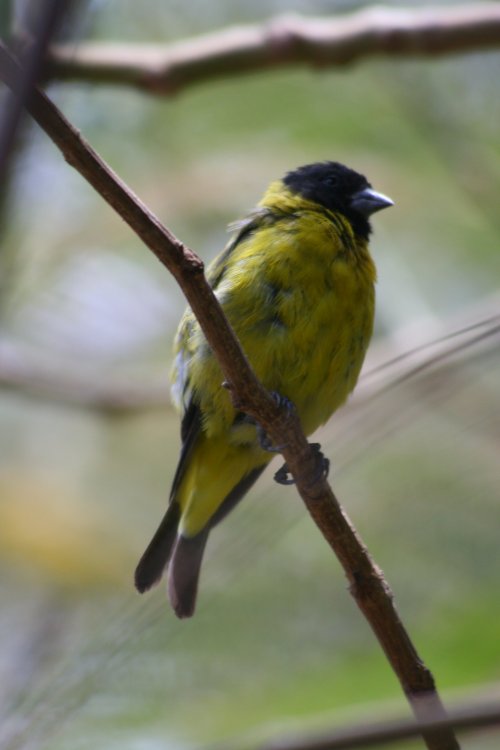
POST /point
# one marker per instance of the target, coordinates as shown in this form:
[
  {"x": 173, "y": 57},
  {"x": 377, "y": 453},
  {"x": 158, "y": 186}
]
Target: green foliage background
[{"x": 276, "y": 644}]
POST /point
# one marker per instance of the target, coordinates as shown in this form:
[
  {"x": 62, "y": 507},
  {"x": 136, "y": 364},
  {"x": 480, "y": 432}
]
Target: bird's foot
[
  {"x": 322, "y": 467},
  {"x": 281, "y": 476}
]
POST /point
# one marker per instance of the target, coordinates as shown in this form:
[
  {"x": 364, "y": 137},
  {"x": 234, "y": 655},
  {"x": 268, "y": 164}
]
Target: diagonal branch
[
  {"x": 366, "y": 581},
  {"x": 285, "y": 41}
]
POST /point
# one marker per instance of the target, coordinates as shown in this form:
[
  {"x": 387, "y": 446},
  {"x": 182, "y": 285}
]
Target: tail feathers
[
  {"x": 155, "y": 559},
  {"x": 184, "y": 572}
]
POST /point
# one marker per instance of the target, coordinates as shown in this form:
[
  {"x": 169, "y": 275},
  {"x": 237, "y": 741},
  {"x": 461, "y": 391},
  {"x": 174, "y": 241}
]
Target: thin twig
[
  {"x": 47, "y": 17},
  {"x": 284, "y": 41},
  {"x": 367, "y": 584}
]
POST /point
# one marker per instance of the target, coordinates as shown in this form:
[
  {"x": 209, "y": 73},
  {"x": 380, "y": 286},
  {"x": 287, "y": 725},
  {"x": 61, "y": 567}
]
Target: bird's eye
[{"x": 331, "y": 180}]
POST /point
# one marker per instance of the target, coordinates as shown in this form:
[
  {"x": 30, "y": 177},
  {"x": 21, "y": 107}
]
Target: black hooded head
[{"x": 339, "y": 189}]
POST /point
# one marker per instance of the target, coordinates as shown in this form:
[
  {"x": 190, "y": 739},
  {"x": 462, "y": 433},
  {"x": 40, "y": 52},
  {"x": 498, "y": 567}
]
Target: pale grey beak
[{"x": 367, "y": 201}]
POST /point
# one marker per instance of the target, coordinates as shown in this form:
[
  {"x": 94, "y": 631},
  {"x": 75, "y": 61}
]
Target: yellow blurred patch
[{"x": 46, "y": 527}]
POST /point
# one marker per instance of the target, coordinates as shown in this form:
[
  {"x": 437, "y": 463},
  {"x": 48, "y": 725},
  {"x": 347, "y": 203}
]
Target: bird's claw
[
  {"x": 283, "y": 403},
  {"x": 322, "y": 467},
  {"x": 265, "y": 441},
  {"x": 281, "y": 476},
  {"x": 322, "y": 462}
]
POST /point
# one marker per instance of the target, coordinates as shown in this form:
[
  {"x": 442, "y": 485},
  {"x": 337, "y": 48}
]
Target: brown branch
[
  {"x": 367, "y": 583},
  {"x": 285, "y": 41},
  {"x": 47, "y": 17}
]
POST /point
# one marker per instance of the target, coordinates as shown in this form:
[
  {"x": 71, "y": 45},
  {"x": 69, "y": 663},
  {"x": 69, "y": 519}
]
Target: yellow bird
[{"x": 296, "y": 283}]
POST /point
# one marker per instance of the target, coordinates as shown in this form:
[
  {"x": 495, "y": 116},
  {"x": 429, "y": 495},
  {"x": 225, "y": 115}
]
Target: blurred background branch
[
  {"x": 107, "y": 392},
  {"x": 98, "y": 391},
  {"x": 40, "y": 23},
  {"x": 387, "y": 732},
  {"x": 285, "y": 41}
]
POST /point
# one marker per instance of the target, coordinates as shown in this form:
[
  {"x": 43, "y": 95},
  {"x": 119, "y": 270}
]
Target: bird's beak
[{"x": 367, "y": 201}]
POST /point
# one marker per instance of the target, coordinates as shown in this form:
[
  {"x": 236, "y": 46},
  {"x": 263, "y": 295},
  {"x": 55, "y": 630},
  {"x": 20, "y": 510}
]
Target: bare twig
[
  {"x": 367, "y": 583},
  {"x": 284, "y": 41},
  {"x": 47, "y": 17}
]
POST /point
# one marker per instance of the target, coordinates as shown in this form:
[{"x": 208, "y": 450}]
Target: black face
[{"x": 334, "y": 186}]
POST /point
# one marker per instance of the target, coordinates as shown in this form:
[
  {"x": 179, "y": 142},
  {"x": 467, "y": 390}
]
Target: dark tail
[
  {"x": 184, "y": 572},
  {"x": 184, "y": 553},
  {"x": 155, "y": 559},
  {"x": 184, "y": 569}
]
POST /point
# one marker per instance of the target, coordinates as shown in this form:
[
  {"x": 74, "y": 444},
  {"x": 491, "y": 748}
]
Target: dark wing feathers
[
  {"x": 190, "y": 429},
  {"x": 155, "y": 559}
]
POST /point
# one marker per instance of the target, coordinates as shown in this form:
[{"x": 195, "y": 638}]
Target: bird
[{"x": 297, "y": 284}]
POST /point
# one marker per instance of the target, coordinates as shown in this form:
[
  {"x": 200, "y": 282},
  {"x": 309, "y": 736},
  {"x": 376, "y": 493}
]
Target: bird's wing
[
  {"x": 182, "y": 393},
  {"x": 243, "y": 229},
  {"x": 190, "y": 429}
]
